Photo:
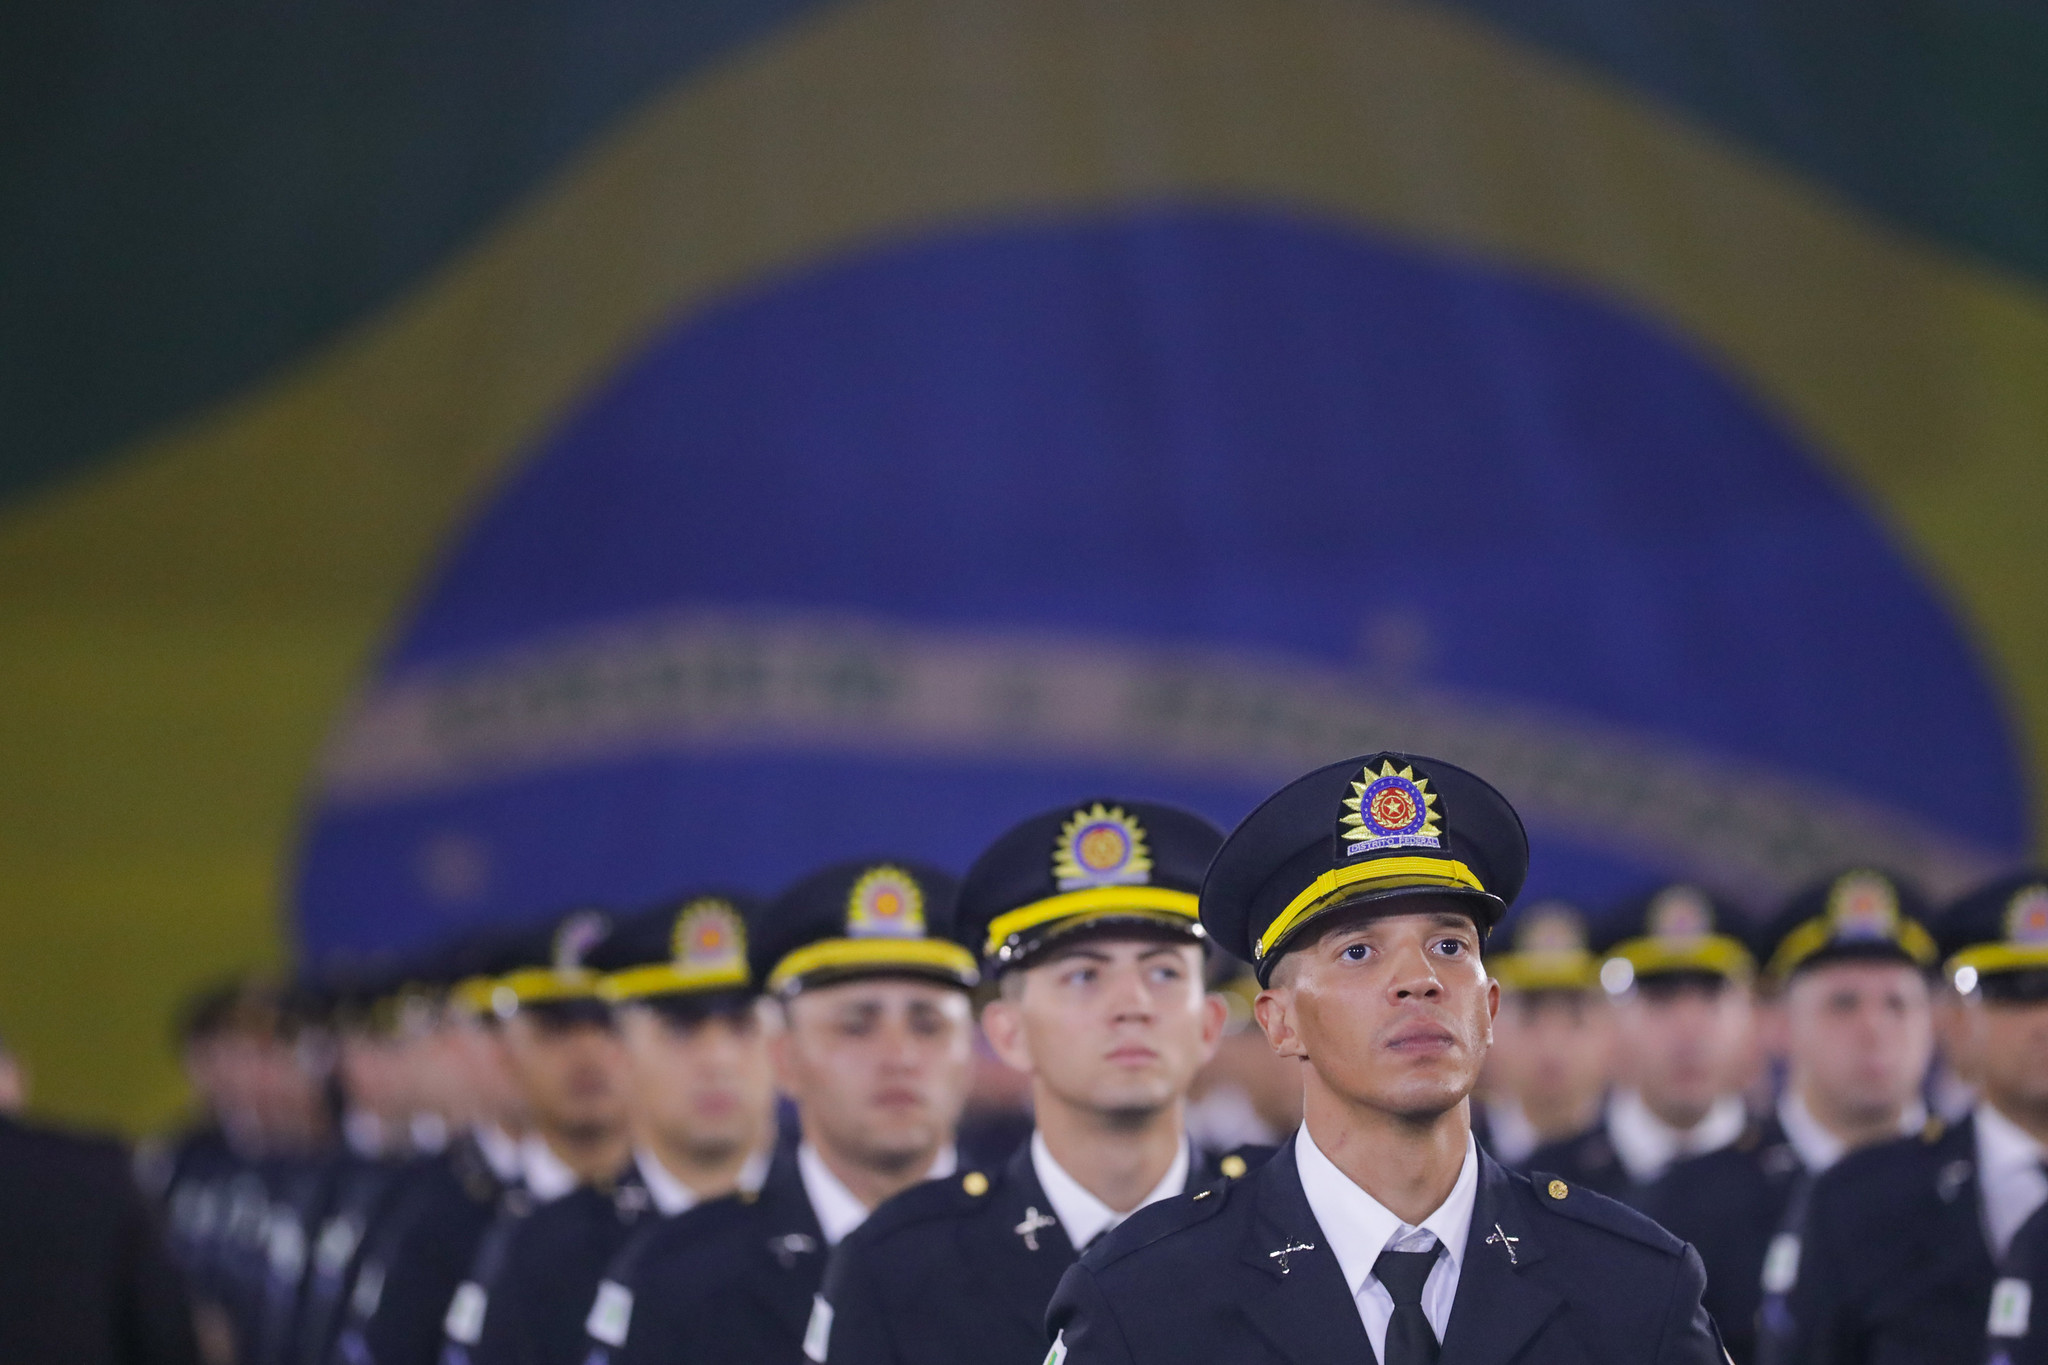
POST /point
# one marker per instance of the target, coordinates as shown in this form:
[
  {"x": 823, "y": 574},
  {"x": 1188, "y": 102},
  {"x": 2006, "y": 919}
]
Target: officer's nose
[{"x": 1414, "y": 975}]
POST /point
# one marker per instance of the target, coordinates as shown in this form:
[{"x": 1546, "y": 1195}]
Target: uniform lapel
[
  {"x": 1500, "y": 1305},
  {"x": 1016, "y": 1245},
  {"x": 1297, "y": 1299},
  {"x": 1961, "y": 1254},
  {"x": 792, "y": 1246}
]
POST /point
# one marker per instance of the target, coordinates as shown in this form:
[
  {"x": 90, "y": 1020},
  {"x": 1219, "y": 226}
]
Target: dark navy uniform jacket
[
  {"x": 301, "y": 1190},
  {"x": 730, "y": 1280},
  {"x": 1730, "y": 1205},
  {"x": 1589, "y": 1161},
  {"x": 1892, "y": 1262},
  {"x": 942, "y": 1273},
  {"x": 1545, "y": 1280},
  {"x": 414, "y": 1258},
  {"x": 84, "y": 1277},
  {"x": 540, "y": 1290},
  {"x": 362, "y": 1192}
]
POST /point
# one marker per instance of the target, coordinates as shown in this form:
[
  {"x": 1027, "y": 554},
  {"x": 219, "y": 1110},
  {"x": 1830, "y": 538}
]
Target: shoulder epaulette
[
  {"x": 1596, "y": 1210},
  {"x": 1157, "y": 1222},
  {"x": 953, "y": 1197}
]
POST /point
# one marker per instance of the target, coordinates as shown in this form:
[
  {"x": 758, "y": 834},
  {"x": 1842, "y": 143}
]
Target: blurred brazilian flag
[{"x": 462, "y": 460}]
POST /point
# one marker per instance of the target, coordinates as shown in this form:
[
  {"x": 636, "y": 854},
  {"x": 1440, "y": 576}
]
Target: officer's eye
[
  {"x": 1450, "y": 947},
  {"x": 1081, "y": 976},
  {"x": 1166, "y": 973},
  {"x": 1356, "y": 952}
]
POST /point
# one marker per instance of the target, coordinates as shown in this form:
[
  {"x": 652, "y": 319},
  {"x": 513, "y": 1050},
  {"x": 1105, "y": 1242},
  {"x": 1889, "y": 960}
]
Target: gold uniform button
[
  {"x": 1558, "y": 1189},
  {"x": 1232, "y": 1166},
  {"x": 975, "y": 1183}
]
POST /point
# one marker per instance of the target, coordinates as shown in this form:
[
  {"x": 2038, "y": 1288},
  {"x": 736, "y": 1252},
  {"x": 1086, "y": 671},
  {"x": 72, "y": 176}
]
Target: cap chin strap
[
  {"x": 664, "y": 978},
  {"x": 878, "y": 954},
  {"x": 1319, "y": 895},
  {"x": 2000, "y": 957},
  {"x": 1095, "y": 900},
  {"x": 1814, "y": 935}
]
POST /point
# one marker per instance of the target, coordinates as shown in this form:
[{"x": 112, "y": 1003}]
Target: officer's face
[
  {"x": 489, "y": 1089},
  {"x": 1391, "y": 1012},
  {"x": 1113, "y": 1027},
  {"x": 879, "y": 1067},
  {"x": 571, "y": 1072},
  {"x": 699, "y": 1083},
  {"x": 1685, "y": 1043},
  {"x": 1859, "y": 1036},
  {"x": 1554, "y": 1050},
  {"x": 2007, "y": 1041}
]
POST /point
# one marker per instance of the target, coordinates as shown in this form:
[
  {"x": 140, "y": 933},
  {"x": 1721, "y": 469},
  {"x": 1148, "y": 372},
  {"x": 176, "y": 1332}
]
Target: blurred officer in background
[
  {"x": 384, "y": 1018},
  {"x": 565, "y": 1055},
  {"x": 1086, "y": 917},
  {"x": 1553, "y": 1041},
  {"x": 1246, "y": 1096},
  {"x": 416, "y": 1255},
  {"x": 870, "y": 1036},
  {"x": 1381, "y": 1233},
  {"x": 1849, "y": 961},
  {"x": 1681, "y": 979},
  {"x": 84, "y": 1277},
  {"x": 303, "y": 1101},
  {"x": 702, "y": 1096},
  {"x": 1935, "y": 1248}
]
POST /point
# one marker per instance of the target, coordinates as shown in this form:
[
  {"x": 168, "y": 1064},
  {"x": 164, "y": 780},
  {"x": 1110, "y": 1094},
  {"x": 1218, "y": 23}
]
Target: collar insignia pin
[
  {"x": 1284, "y": 1252},
  {"x": 1505, "y": 1243},
  {"x": 1033, "y": 1224}
]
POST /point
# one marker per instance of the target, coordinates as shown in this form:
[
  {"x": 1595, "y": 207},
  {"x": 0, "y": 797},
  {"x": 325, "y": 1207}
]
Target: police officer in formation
[
  {"x": 1935, "y": 1247},
  {"x": 1363, "y": 893},
  {"x": 865, "y": 988},
  {"x": 1085, "y": 917},
  {"x": 1554, "y": 1039},
  {"x": 1849, "y": 964},
  {"x": 1680, "y": 970},
  {"x": 565, "y": 1144}
]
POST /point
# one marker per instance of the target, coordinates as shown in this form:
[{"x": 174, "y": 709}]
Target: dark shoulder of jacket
[
  {"x": 706, "y": 1229},
  {"x": 1875, "y": 1180},
  {"x": 1581, "y": 1205},
  {"x": 1236, "y": 1163},
  {"x": 931, "y": 1201},
  {"x": 1156, "y": 1223}
]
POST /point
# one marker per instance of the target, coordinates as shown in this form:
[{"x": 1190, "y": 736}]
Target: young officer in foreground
[
  {"x": 1086, "y": 918},
  {"x": 870, "y": 1034},
  {"x": 1934, "y": 1249},
  {"x": 1362, "y": 892},
  {"x": 1849, "y": 961}
]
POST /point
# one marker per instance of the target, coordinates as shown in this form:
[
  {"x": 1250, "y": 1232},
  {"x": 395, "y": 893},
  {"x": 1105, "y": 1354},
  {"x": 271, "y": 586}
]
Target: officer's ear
[
  {"x": 1274, "y": 1009},
  {"x": 1002, "y": 1023}
]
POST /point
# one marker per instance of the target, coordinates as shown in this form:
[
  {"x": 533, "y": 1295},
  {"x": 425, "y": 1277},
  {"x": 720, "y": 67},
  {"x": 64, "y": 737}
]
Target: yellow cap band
[
  {"x": 1710, "y": 953},
  {"x": 2000, "y": 957},
  {"x": 1327, "y": 890},
  {"x": 540, "y": 985},
  {"x": 1568, "y": 971},
  {"x": 665, "y": 978},
  {"x": 876, "y": 955},
  {"x": 1093, "y": 903},
  {"x": 1813, "y": 935},
  {"x": 473, "y": 994}
]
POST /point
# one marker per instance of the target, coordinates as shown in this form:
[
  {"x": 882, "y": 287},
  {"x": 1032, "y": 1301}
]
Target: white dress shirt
[
  {"x": 840, "y": 1210},
  {"x": 1082, "y": 1216},
  {"x": 671, "y": 1196},
  {"x": 1647, "y": 1145},
  {"x": 2010, "y": 1180},
  {"x": 1358, "y": 1228},
  {"x": 547, "y": 1176},
  {"x": 1816, "y": 1144},
  {"x": 501, "y": 1152}
]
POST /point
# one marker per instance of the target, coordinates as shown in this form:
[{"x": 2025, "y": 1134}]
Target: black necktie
[{"x": 1409, "y": 1338}]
